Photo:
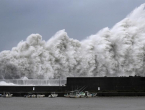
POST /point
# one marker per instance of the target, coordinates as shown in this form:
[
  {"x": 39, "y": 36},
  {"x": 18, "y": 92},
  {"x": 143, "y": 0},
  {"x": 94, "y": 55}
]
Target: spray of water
[{"x": 119, "y": 51}]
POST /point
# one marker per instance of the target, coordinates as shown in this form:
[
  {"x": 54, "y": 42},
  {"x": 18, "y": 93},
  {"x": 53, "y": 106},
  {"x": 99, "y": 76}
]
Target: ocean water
[{"x": 61, "y": 103}]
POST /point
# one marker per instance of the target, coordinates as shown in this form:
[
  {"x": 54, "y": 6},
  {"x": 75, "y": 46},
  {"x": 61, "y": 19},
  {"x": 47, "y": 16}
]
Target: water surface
[{"x": 60, "y": 103}]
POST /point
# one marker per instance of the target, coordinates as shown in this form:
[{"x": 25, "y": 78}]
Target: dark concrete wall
[
  {"x": 109, "y": 86},
  {"x": 27, "y": 89},
  {"x": 107, "y": 83}
]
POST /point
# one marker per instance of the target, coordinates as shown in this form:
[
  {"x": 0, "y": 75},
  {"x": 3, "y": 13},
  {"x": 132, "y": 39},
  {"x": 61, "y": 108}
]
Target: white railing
[{"x": 34, "y": 82}]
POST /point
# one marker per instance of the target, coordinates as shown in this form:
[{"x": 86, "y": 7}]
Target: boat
[
  {"x": 7, "y": 94},
  {"x": 67, "y": 95},
  {"x": 77, "y": 94},
  {"x": 88, "y": 94},
  {"x": 30, "y": 95},
  {"x": 82, "y": 94},
  {"x": 53, "y": 95},
  {"x": 94, "y": 94},
  {"x": 40, "y": 96},
  {"x": 74, "y": 94}
]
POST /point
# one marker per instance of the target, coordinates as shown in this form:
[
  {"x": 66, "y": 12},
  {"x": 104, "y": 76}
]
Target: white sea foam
[
  {"x": 119, "y": 51},
  {"x": 5, "y": 83}
]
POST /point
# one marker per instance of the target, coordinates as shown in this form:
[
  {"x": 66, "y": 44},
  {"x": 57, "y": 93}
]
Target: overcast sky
[{"x": 80, "y": 18}]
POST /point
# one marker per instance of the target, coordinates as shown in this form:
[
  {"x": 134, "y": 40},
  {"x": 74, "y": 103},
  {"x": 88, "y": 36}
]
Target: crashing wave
[{"x": 119, "y": 51}]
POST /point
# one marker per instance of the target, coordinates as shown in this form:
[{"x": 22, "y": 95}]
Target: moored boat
[
  {"x": 77, "y": 94},
  {"x": 7, "y": 94},
  {"x": 53, "y": 95},
  {"x": 88, "y": 94},
  {"x": 40, "y": 96},
  {"x": 74, "y": 94},
  {"x": 30, "y": 95}
]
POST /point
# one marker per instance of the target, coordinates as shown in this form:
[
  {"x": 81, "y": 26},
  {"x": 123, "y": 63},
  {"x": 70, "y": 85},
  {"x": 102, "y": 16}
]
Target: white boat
[
  {"x": 88, "y": 94},
  {"x": 67, "y": 95},
  {"x": 82, "y": 94},
  {"x": 77, "y": 94},
  {"x": 74, "y": 94},
  {"x": 7, "y": 94},
  {"x": 53, "y": 95},
  {"x": 30, "y": 95},
  {"x": 40, "y": 96}
]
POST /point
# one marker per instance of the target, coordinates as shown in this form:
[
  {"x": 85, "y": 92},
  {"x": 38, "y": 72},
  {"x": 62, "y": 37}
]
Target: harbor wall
[
  {"x": 24, "y": 90},
  {"x": 104, "y": 86},
  {"x": 107, "y": 84}
]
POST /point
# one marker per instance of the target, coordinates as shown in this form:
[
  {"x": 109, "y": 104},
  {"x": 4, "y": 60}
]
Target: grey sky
[{"x": 80, "y": 18}]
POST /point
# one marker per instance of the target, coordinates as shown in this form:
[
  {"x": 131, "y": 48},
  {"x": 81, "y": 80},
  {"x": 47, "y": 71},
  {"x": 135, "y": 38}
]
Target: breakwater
[{"x": 103, "y": 86}]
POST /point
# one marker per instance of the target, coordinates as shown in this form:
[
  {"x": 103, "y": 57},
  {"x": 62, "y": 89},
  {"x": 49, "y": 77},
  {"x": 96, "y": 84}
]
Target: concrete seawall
[
  {"x": 103, "y": 86},
  {"x": 23, "y": 90}
]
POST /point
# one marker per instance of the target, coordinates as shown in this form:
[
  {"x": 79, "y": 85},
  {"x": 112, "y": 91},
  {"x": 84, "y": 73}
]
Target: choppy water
[{"x": 60, "y": 103}]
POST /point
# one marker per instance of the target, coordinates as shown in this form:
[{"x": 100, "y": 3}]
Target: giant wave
[{"x": 119, "y": 51}]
